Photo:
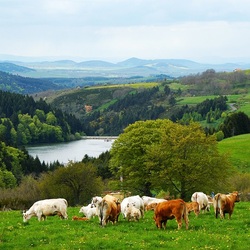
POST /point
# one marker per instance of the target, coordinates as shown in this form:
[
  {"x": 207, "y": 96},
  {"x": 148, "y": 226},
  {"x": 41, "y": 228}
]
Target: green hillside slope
[{"x": 238, "y": 149}]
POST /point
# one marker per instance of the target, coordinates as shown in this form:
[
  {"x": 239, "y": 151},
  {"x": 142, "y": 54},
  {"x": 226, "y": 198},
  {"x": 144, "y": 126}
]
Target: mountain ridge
[{"x": 129, "y": 67}]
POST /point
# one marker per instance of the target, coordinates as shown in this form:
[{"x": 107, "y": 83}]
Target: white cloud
[{"x": 195, "y": 29}]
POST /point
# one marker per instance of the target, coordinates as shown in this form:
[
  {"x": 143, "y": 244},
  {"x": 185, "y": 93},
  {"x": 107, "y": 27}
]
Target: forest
[{"x": 25, "y": 121}]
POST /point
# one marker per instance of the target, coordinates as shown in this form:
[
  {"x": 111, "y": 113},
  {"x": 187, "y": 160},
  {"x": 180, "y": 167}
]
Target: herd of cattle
[{"x": 108, "y": 208}]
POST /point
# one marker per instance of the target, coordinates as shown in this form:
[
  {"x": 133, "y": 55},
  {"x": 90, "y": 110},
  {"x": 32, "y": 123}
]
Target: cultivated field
[{"x": 205, "y": 232}]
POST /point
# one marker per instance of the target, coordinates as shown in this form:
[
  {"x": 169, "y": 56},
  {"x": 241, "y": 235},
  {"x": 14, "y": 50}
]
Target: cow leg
[
  {"x": 158, "y": 222},
  {"x": 164, "y": 224},
  {"x": 222, "y": 214},
  {"x": 216, "y": 212},
  {"x": 179, "y": 221},
  {"x": 39, "y": 216}
]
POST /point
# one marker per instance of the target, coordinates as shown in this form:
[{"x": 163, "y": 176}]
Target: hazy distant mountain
[
  {"x": 13, "y": 68},
  {"x": 96, "y": 64},
  {"x": 127, "y": 68}
]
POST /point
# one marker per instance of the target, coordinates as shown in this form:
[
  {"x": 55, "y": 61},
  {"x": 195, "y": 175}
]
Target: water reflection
[{"x": 70, "y": 151}]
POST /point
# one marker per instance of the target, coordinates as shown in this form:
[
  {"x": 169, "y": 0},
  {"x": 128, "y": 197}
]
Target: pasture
[
  {"x": 233, "y": 147},
  {"x": 205, "y": 232}
]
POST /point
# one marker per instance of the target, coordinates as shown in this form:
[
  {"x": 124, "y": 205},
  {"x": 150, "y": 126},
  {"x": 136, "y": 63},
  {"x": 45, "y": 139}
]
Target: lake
[{"x": 70, "y": 151}]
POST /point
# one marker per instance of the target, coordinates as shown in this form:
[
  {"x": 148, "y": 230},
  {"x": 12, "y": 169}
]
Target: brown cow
[
  {"x": 193, "y": 206},
  {"x": 109, "y": 210},
  {"x": 224, "y": 203},
  {"x": 169, "y": 210},
  {"x": 79, "y": 218}
]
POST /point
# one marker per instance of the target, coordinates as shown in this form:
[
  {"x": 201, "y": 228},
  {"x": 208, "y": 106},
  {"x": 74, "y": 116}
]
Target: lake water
[{"x": 70, "y": 151}]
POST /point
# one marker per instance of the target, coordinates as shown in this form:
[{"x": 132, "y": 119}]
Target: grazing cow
[
  {"x": 49, "y": 207},
  {"x": 202, "y": 199},
  {"x": 151, "y": 206},
  {"x": 109, "y": 211},
  {"x": 133, "y": 213},
  {"x": 96, "y": 202},
  {"x": 89, "y": 211},
  {"x": 210, "y": 200},
  {"x": 79, "y": 218},
  {"x": 169, "y": 210},
  {"x": 148, "y": 200},
  {"x": 224, "y": 203},
  {"x": 108, "y": 208},
  {"x": 193, "y": 206},
  {"x": 136, "y": 200}
]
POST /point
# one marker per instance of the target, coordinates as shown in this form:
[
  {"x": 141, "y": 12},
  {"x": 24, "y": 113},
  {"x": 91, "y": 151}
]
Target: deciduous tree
[{"x": 160, "y": 154}]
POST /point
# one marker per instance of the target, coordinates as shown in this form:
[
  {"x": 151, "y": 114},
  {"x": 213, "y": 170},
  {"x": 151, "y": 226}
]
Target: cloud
[{"x": 100, "y": 29}]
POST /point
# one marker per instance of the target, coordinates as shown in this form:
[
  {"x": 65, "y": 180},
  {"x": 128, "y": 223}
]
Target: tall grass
[{"x": 205, "y": 232}]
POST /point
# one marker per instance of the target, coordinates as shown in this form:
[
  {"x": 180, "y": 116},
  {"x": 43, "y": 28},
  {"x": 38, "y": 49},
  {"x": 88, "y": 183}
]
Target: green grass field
[
  {"x": 238, "y": 149},
  {"x": 205, "y": 232}
]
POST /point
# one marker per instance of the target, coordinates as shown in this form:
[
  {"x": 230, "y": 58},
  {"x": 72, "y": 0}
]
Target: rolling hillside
[
  {"x": 238, "y": 150},
  {"x": 25, "y": 85}
]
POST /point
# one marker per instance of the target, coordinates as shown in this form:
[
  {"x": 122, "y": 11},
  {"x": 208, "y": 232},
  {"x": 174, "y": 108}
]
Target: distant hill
[
  {"x": 127, "y": 68},
  {"x": 25, "y": 85},
  {"x": 13, "y": 68}
]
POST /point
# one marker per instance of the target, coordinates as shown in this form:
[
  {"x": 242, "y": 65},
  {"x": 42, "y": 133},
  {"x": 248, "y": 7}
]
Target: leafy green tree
[
  {"x": 7, "y": 179},
  {"x": 78, "y": 183},
  {"x": 40, "y": 115},
  {"x": 51, "y": 119},
  {"x": 162, "y": 155},
  {"x": 129, "y": 151}
]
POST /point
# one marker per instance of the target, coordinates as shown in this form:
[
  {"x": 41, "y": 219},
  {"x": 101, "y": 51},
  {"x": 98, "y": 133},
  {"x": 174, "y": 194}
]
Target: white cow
[
  {"x": 147, "y": 200},
  {"x": 89, "y": 211},
  {"x": 96, "y": 202},
  {"x": 202, "y": 199},
  {"x": 133, "y": 213},
  {"x": 136, "y": 201},
  {"x": 49, "y": 207}
]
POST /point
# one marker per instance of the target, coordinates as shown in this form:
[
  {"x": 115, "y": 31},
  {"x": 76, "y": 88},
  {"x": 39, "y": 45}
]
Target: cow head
[
  {"x": 26, "y": 216},
  {"x": 236, "y": 195}
]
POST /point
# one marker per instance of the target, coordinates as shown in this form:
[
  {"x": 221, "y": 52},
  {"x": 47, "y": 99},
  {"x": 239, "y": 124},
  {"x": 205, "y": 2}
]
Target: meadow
[
  {"x": 205, "y": 232},
  {"x": 233, "y": 148}
]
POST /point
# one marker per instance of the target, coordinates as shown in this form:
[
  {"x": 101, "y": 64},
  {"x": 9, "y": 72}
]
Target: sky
[{"x": 114, "y": 30}]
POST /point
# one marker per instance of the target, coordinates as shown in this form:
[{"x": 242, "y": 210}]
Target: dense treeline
[
  {"x": 16, "y": 163},
  {"x": 140, "y": 106},
  {"x": 217, "y": 83},
  {"x": 135, "y": 106},
  {"x": 24, "y": 121}
]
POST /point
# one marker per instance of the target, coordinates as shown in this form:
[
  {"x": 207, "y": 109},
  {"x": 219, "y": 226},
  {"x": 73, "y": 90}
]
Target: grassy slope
[
  {"x": 205, "y": 232},
  {"x": 238, "y": 149}
]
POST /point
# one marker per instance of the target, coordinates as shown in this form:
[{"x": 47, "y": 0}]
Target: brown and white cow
[
  {"x": 151, "y": 206},
  {"x": 193, "y": 206},
  {"x": 108, "y": 209},
  {"x": 133, "y": 213},
  {"x": 169, "y": 210},
  {"x": 224, "y": 203}
]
